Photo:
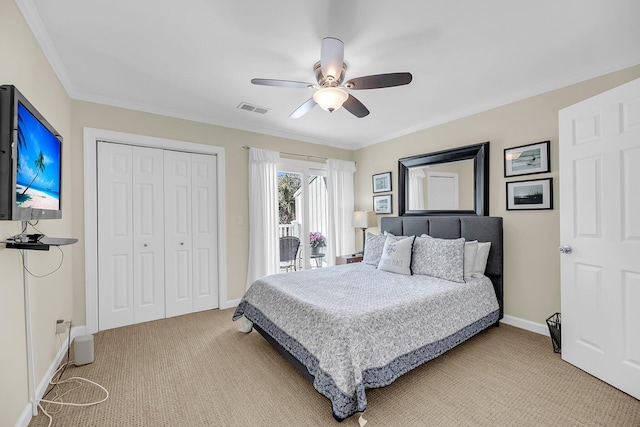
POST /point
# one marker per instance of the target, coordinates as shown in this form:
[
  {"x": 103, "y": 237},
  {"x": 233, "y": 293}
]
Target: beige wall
[
  {"x": 23, "y": 65},
  {"x": 532, "y": 264}
]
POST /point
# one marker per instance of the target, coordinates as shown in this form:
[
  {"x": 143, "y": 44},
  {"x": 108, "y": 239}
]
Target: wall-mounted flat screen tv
[{"x": 30, "y": 161}]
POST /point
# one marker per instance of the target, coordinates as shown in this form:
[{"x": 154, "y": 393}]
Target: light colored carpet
[{"x": 197, "y": 370}]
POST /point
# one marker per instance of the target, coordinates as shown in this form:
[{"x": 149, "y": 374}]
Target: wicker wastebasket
[{"x": 553, "y": 323}]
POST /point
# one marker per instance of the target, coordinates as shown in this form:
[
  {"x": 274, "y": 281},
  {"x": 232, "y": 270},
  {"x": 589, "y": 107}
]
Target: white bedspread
[{"x": 356, "y": 327}]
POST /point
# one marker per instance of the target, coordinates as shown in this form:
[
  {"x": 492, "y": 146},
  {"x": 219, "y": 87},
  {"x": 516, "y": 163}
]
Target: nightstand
[{"x": 348, "y": 259}]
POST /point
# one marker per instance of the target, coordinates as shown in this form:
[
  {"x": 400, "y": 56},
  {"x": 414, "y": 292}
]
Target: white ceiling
[{"x": 194, "y": 59}]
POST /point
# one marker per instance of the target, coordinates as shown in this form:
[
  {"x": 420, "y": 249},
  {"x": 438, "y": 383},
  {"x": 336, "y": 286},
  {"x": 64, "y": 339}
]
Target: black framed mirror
[{"x": 449, "y": 182}]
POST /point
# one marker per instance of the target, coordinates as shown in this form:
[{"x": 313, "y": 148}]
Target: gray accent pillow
[
  {"x": 442, "y": 258},
  {"x": 373, "y": 244}
]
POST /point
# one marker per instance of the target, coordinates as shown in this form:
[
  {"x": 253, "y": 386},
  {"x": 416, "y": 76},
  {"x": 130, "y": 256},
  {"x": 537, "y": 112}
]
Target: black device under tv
[
  {"x": 30, "y": 161},
  {"x": 36, "y": 242}
]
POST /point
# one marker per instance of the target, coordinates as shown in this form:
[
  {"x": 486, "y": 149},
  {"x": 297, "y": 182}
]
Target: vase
[{"x": 315, "y": 250}]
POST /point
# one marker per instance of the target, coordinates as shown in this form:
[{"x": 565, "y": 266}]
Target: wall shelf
[{"x": 42, "y": 245}]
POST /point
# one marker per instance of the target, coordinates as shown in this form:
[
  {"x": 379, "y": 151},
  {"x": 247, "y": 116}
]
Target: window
[{"x": 302, "y": 203}]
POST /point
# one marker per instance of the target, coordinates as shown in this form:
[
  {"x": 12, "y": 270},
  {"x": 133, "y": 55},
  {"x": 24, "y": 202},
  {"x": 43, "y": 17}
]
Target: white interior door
[
  {"x": 178, "y": 236},
  {"x": 115, "y": 234},
  {"x": 600, "y": 222},
  {"x": 205, "y": 238},
  {"x": 148, "y": 234},
  {"x": 442, "y": 191},
  {"x": 130, "y": 235}
]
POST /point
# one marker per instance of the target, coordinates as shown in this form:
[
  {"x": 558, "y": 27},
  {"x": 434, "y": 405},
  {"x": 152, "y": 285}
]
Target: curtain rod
[{"x": 293, "y": 154}]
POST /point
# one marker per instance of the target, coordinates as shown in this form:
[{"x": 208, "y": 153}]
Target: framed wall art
[
  {"x": 382, "y": 204},
  {"x": 527, "y": 159},
  {"x": 530, "y": 194},
  {"x": 382, "y": 182}
]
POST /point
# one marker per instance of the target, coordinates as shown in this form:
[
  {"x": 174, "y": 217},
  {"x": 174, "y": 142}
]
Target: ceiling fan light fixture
[{"x": 330, "y": 98}]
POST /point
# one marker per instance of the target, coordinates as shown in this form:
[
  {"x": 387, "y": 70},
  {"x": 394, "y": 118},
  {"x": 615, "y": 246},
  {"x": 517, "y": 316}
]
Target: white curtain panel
[
  {"x": 416, "y": 189},
  {"x": 263, "y": 214},
  {"x": 340, "y": 195}
]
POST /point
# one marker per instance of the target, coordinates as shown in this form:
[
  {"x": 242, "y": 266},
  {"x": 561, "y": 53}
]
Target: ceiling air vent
[{"x": 249, "y": 107}]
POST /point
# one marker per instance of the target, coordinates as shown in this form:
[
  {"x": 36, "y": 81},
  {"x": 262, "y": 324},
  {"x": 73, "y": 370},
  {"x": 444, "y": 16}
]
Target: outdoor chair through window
[{"x": 289, "y": 246}]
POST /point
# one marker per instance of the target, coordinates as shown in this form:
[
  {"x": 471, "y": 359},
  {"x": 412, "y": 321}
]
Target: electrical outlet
[{"x": 61, "y": 326}]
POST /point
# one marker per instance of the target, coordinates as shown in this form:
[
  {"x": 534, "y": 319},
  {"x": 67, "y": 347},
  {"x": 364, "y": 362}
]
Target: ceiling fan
[{"x": 331, "y": 94}]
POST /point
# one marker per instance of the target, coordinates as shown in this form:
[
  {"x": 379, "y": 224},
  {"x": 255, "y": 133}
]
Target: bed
[{"x": 353, "y": 327}]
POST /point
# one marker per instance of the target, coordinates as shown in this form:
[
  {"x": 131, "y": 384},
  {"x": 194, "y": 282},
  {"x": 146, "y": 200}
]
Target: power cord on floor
[
  {"x": 57, "y": 399},
  {"x": 55, "y": 383}
]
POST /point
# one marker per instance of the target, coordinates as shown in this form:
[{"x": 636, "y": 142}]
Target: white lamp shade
[
  {"x": 330, "y": 98},
  {"x": 364, "y": 219}
]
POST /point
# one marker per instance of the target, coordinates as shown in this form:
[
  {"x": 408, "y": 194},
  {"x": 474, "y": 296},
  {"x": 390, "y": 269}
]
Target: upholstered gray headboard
[{"x": 480, "y": 228}]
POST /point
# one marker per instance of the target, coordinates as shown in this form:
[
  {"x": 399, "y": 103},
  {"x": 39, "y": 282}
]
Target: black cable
[{"x": 46, "y": 274}]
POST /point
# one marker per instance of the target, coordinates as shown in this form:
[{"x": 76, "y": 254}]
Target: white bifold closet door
[
  {"x": 190, "y": 233},
  {"x": 130, "y": 235},
  {"x": 157, "y": 234}
]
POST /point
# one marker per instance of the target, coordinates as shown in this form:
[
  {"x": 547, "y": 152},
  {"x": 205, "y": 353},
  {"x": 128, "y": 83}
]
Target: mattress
[{"x": 356, "y": 327}]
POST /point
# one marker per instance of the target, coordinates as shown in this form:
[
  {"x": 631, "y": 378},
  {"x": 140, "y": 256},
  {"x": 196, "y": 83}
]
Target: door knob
[{"x": 565, "y": 249}]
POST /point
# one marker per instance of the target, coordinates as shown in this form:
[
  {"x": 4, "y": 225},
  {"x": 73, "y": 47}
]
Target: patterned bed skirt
[{"x": 343, "y": 405}]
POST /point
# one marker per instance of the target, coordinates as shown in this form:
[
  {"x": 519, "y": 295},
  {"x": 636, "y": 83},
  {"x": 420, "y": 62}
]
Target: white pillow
[
  {"x": 386, "y": 233},
  {"x": 481, "y": 258},
  {"x": 396, "y": 255},
  {"x": 470, "y": 255}
]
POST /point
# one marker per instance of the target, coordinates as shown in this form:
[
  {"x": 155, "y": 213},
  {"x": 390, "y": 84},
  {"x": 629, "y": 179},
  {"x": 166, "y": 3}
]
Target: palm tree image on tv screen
[{"x": 38, "y": 164}]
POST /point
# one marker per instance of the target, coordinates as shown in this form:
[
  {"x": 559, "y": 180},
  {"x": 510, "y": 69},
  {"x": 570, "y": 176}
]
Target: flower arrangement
[{"x": 317, "y": 240}]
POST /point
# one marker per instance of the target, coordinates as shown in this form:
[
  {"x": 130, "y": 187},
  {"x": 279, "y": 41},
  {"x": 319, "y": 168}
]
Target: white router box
[{"x": 83, "y": 350}]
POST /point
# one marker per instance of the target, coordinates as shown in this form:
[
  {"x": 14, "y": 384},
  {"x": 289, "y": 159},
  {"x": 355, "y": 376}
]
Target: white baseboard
[
  {"x": 26, "y": 415},
  {"x": 230, "y": 304},
  {"x": 528, "y": 325}
]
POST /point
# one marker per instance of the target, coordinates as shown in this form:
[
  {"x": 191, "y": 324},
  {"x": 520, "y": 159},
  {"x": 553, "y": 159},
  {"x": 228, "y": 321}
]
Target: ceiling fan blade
[
  {"x": 303, "y": 109},
  {"x": 378, "y": 81},
  {"x": 281, "y": 83},
  {"x": 355, "y": 107},
  {"x": 331, "y": 57}
]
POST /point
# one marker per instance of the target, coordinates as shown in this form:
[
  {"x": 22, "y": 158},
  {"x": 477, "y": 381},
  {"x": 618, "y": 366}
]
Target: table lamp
[{"x": 364, "y": 220}]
